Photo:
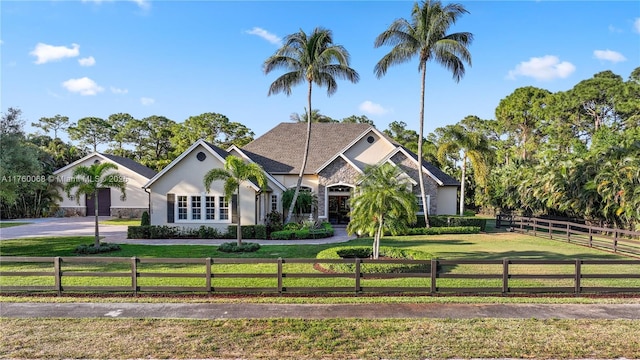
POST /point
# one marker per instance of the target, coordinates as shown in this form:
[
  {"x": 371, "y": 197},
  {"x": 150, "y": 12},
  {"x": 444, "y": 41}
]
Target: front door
[{"x": 339, "y": 209}]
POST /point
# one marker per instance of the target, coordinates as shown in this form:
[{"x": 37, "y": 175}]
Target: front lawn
[
  {"x": 128, "y": 222},
  {"x": 5, "y": 224}
]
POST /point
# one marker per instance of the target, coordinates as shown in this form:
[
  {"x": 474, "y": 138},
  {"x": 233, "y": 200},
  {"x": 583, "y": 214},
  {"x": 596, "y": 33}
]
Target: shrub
[
  {"x": 283, "y": 235},
  {"x": 231, "y": 247},
  {"x": 450, "y": 221},
  {"x": 364, "y": 252},
  {"x": 444, "y": 230},
  {"x": 207, "y": 232},
  {"x": 260, "y": 231},
  {"x": 325, "y": 231},
  {"x": 85, "y": 249},
  {"x": 291, "y": 226},
  {"x": 139, "y": 232},
  {"x": 274, "y": 221},
  {"x": 146, "y": 219}
]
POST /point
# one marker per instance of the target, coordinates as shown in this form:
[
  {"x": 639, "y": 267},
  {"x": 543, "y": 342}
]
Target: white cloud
[
  {"x": 84, "y": 86},
  {"x": 636, "y": 25},
  {"x": 272, "y": 38},
  {"x": 614, "y": 29},
  {"x": 147, "y": 101},
  {"x": 88, "y": 61},
  {"x": 118, "y": 91},
  {"x": 547, "y": 67},
  {"x": 609, "y": 55},
  {"x": 143, "y": 4},
  {"x": 372, "y": 108},
  {"x": 46, "y": 53}
]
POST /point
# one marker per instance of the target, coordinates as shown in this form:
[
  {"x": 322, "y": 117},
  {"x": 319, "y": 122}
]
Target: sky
[{"x": 183, "y": 58}]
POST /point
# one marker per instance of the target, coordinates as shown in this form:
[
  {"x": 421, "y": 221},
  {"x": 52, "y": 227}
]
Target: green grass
[
  {"x": 319, "y": 339},
  {"x": 4, "y": 224},
  {"x": 494, "y": 246},
  {"x": 129, "y": 222}
]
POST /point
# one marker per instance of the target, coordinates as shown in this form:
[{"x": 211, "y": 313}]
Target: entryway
[
  {"x": 104, "y": 203},
  {"x": 339, "y": 196}
]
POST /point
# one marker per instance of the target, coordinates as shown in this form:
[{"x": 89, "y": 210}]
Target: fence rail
[
  {"x": 615, "y": 240},
  {"x": 506, "y": 276}
]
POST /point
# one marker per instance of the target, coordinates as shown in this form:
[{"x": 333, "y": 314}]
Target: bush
[
  {"x": 365, "y": 252},
  {"x": 325, "y": 231},
  {"x": 444, "y": 230},
  {"x": 207, "y": 232},
  {"x": 164, "y": 232},
  {"x": 283, "y": 235},
  {"x": 146, "y": 219},
  {"x": 139, "y": 232},
  {"x": 292, "y": 226},
  {"x": 231, "y": 247},
  {"x": 260, "y": 231},
  {"x": 91, "y": 249},
  {"x": 451, "y": 221}
]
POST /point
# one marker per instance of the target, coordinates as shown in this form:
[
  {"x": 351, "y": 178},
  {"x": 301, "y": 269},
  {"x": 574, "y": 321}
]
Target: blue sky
[{"x": 184, "y": 58}]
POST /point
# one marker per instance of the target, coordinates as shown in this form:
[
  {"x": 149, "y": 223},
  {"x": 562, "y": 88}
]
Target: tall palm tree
[
  {"x": 312, "y": 59},
  {"x": 235, "y": 172},
  {"x": 381, "y": 202},
  {"x": 88, "y": 180},
  {"x": 426, "y": 36},
  {"x": 469, "y": 146}
]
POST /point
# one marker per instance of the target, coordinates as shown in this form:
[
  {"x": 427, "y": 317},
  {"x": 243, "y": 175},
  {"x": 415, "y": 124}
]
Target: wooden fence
[
  {"x": 505, "y": 276},
  {"x": 615, "y": 240}
]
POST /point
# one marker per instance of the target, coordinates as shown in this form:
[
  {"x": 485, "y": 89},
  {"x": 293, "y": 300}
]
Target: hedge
[
  {"x": 364, "y": 252},
  {"x": 203, "y": 232},
  {"x": 451, "y": 221},
  {"x": 444, "y": 230}
]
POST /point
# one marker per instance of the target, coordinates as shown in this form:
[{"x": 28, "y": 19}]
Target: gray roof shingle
[
  {"x": 280, "y": 150},
  {"x": 446, "y": 179},
  {"x": 131, "y": 165}
]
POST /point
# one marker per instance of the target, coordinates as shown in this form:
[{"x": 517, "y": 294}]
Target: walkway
[{"x": 319, "y": 311}]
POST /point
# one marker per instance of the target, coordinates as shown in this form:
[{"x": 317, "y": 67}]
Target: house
[
  {"x": 337, "y": 156},
  {"x": 109, "y": 200}
]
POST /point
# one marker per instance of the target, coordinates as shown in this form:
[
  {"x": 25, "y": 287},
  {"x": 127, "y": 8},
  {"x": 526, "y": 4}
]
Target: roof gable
[{"x": 280, "y": 150}]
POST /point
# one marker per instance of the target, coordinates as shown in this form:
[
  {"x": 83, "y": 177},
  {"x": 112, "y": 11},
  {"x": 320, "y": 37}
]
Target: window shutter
[
  {"x": 171, "y": 208},
  {"x": 234, "y": 210}
]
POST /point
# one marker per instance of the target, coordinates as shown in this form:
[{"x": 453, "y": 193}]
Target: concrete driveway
[
  {"x": 117, "y": 234},
  {"x": 71, "y": 226}
]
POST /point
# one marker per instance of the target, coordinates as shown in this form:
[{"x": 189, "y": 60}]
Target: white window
[
  {"x": 274, "y": 202},
  {"x": 419, "y": 202},
  {"x": 210, "y": 207},
  {"x": 196, "y": 208},
  {"x": 224, "y": 208},
  {"x": 182, "y": 208}
]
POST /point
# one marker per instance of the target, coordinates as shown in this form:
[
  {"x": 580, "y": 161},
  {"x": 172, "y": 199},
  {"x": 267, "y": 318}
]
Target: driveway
[
  {"x": 70, "y": 226},
  {"x": 117, "y": 234}
]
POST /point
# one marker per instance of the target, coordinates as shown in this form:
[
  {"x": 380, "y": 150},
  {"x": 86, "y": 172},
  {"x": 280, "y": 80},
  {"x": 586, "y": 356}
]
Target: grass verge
[
  {"x": 4, "y": 224},
  {"x": 128, "y": 222},
  {"x": 314, "y": 339}
]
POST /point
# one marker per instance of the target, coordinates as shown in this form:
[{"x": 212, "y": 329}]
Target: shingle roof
[
  {"x": 218, "y": 150},
  {"x": 446, "y": 179},
  {"x": 131, "y": 165},
  {"x": 280, "y": 150}
]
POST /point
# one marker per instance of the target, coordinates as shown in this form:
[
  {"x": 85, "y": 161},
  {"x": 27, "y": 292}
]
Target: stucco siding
[
  {"x": 137, "y": 198},
  {"x": 364, "y": 153},
  {"x": 447, "y": 199}
]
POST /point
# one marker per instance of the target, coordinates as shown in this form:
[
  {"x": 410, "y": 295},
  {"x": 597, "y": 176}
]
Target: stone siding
[
  {"x": 430, "y": 186},
  {"x": 127, "y": 213},
  {"x": 338, "y": 172}
]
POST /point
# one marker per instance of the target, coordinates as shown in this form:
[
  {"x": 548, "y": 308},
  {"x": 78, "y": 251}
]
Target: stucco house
[
  {"x": 109, "y": 200},
  {"x": 337, "y": 156}
]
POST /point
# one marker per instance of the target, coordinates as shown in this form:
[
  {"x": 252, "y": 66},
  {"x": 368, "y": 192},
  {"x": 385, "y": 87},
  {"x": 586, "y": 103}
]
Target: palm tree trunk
[
  {"x": 462, "y": 181},
  {"x": 95, "y": 204},
  {"x": 239, "y": 229},
  {"x": 304, "y": 158},
  {"x": 376, "y": 241},
  {"x": 420, "y": 175}
]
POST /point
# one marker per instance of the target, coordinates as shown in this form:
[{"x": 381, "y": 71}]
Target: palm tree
[
  {"x": 235, "y": 172},
  {"x": 470, "y": 147},
  {"x": 381, "y": 202},
  {"x": 88, "y": 180},
  {"x": 311, "y": 59},
  {"x": 426, "y": 36}
]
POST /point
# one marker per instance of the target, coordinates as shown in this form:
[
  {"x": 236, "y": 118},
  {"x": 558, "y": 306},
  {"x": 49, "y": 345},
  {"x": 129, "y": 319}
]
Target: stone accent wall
[
  {"x": 411, "y": 168},
  {"x": 127, "y": 213},
  {"x": 339, "y": 171},
  {"x": 71, "y": 211}
]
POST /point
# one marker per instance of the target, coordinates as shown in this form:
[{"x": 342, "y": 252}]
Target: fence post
[
  {"x": 568, "y": 232},
  {"x": 57, "y": 273},
  {"x": 550, "y": 229},
  {"x": 505, "y": 276},
  {"x": 498, "y": 220},
  {"x": 578, "y": 286},
  {"x": 615, "y": 240},
  {"x": 280, "y": 276},
  {"x": 434, "y": 275},
  {"x": 207, "y": 263},
  {"x": 590, "y": 237},
  {"x": 134, "y": 275},
  {"x": 521, "y": 225},
  {"x": 535, "y": 226},
  {"x": 357, "y": 277}
]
